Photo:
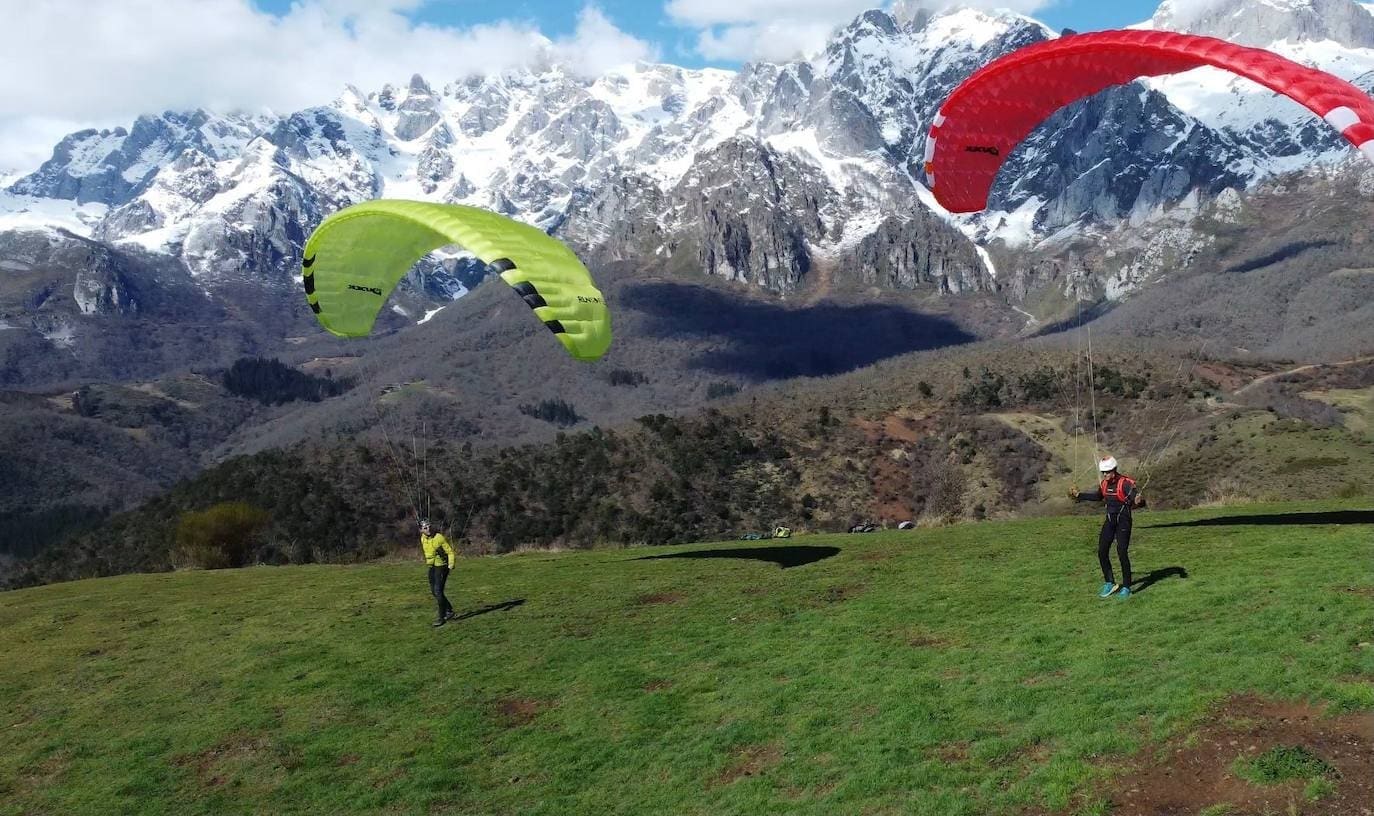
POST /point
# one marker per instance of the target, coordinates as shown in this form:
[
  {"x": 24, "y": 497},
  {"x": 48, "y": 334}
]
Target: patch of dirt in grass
[
  {"x": 953, "y": 752},
  {"x": 385, "y": 780},
  {"x": 1037, "y": 753},
  {"x": 799, "y": 794},
  {"x": 1041, "y": 679},
  {"x": 1197, "y": 772},
  {"x": 578, "y": 630},
  {"x": 749, "y": 760},
  {"x": 212, "y": 766},
  {"x": 658, "y": 685},
  {"x": 875, "y": 555},
  {"x": 45, "y": 772},
  {"x": 517, "y": 711},
  {"x": 917, "y": 639},
  {"x": 838, "y": 594},
  {"x": 659, "y": 598}
]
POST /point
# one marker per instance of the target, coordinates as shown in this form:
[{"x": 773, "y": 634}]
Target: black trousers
[
  {"x": 438, "y": 576},
  {"x": 1116, "y": 528}
]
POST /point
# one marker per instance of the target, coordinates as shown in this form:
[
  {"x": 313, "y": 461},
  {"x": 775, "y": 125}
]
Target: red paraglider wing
[{"x": 993, "y": 110}]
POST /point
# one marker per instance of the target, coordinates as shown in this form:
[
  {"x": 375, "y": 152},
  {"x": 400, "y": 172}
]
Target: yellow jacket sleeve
[{"x": 448, "y": 548}]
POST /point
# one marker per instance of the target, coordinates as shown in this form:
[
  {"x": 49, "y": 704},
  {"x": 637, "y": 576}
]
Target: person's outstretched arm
[{"x": 1133, "y": 497}]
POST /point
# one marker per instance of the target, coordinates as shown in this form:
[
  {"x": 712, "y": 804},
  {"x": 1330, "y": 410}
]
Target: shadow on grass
[
  {"x": 498, "y": 607},
  {"x": 1141, "y": 584},
  {"x": 768, "y": 340},
  {"x": 1282, "y": 519},
  {"x": 785, "y": 557}
]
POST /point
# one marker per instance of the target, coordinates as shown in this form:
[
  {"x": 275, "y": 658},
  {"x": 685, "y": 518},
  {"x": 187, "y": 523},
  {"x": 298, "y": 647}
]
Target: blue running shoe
[
  {"x": 1107, "y": 589},
  {"x": 1124, "y": 593}
]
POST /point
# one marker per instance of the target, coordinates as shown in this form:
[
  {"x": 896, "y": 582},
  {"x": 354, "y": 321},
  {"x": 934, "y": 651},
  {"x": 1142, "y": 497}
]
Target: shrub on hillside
[
  {"x": 272, "y": 382},
  {"x": 985, "y": 393},
  {"x": 222, "y": 536},
  {"x": 1108, "y": 380},
  {"x": 1041, "y": 385},
  {"x": 626, "y": 377},
  {"x": 720, "y": 390},
  {"x": 555, "y": 410}
]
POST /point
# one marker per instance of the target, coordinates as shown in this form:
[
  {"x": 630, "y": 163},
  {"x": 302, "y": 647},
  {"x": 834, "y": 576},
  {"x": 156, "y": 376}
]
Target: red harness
[{"x": 1121, "y": 483}]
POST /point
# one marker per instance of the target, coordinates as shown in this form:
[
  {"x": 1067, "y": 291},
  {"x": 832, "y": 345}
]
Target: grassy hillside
[
  {"x": 74, "y": 451},
  {"x": 975, "y": 433},
  {"x": 70, "y": 458},
  {"x": 961, "y": 670}
]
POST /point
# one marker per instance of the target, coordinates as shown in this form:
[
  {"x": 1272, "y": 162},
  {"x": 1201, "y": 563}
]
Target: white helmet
[{"x": 1107, "y": 465}]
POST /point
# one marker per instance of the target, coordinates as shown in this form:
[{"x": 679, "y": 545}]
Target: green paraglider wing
[{"x": 356, "y": 257}]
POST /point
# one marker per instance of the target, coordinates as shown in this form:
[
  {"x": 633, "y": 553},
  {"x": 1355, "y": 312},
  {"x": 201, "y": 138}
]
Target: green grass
[
  {"x": 962, "y": 670},
  {"x": 1281, "y": 764},
  {"x": 1318, "y": 789},
  {"x": 1257, "y": 456},
  {"x": 1357, "y": 404}
]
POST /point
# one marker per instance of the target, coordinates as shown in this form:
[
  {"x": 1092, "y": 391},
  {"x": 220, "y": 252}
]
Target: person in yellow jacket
[{"x": 439, "y": 556}]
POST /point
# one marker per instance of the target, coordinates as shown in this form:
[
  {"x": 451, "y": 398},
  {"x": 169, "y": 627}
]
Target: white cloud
[
  {"x": 26, "y": 142},
  {"x": 773, "y": 41},
  {"x": 1015, "y": 6},
  {"x": 103, "y": 63},
  {"x": 598, "y": 46},
  {"x": 702, "y": 13},
  {"x": 739, "y": 30},
  {"x": 763, "y": 29}
]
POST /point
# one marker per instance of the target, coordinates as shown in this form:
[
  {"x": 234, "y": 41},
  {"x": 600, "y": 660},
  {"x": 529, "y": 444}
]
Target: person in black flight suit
[{"x": 1119, "y": 492}]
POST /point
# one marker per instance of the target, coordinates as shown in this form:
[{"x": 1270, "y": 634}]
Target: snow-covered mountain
[
  {"x": 1261, "y": 23},
  {"x": 792, "y": 177},
  {"x": 1277, "y": 135}
]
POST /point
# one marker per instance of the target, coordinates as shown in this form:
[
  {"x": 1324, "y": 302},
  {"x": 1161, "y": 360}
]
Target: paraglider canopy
[
  {"x": 988, "y": 115},
  {"x": 356, "y": 257}
]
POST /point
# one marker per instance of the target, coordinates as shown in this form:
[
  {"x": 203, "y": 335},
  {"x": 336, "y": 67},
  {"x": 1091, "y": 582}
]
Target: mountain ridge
[{"x": 233, "y": 195}]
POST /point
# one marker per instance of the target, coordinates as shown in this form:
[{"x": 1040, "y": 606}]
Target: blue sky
[{"x": 677, "y": 41}]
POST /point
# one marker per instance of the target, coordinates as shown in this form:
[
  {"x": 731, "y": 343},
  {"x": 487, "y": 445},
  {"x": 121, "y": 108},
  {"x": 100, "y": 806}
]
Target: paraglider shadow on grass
[
  {"x": 765, "y": 340},
  {"x": 498, "y": 607},
  {"x": 785, "y": 557},
  {"x": 1140, "y": 585},
  {"x": 1281, "y": 519}
]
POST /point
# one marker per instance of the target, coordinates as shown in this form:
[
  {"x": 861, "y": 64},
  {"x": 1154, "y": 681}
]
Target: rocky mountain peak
[
  {"x": 763, "y": 175},
  {"x": 418, "y": 112},
  {"x": 419, "y": 86},
  {"x": 1261, "y": 23},
  {"x": 911, "y": 13}
]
